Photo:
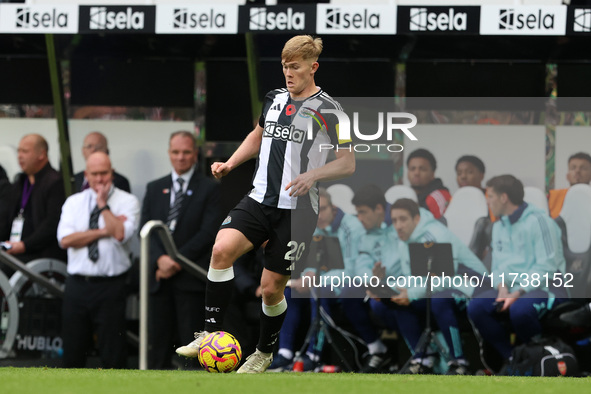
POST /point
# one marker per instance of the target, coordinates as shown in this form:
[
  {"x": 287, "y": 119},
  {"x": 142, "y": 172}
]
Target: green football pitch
[{"x": 90, "y": 381}]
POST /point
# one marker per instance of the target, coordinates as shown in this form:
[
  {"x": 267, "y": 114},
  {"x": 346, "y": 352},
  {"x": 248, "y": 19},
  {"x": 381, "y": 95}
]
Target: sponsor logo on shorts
[{"x": 227, "y": 220}]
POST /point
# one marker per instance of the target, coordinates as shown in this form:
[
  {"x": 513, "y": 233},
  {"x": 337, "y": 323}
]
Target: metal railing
[
  {"x": 39, "y": 279},
  {"x": 166, "y": 238},
  {"x": 164, "y": 234}
]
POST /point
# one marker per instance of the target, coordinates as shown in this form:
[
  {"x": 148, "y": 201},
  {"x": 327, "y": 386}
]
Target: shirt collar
[
  {"x": 186, "y": 176},
  {"x": 514, "y": 217}
]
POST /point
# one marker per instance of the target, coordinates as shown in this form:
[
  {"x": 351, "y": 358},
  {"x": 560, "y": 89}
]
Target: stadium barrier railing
[{"x": 166, "y": 237}]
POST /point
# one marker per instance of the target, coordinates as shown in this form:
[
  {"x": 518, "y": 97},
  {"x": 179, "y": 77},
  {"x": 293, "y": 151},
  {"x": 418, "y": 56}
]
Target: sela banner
[
  {"x": 355, "y": 19},
  {"x": 196, "y": 19},
  {"x": 22, "y": 18},
  {"x": 440, "y": 19},
  {"x": 523, "y": 20},
  {"x": 578, "y": 21},
  {"x": 117, "y": 19},
  {"x": 277, "y": 19}
]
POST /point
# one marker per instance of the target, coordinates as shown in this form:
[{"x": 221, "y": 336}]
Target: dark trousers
[
  {"x": 174, "y": 315},
  {"x": 94, "y": 306},
  {"x": 523, "y": 317},
  {"x": 445, "y": 307},
  {"x": 357, "y": 312}
]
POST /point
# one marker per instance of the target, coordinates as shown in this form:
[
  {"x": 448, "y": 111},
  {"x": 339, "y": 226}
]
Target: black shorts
[{"x": 289, "y": 232}]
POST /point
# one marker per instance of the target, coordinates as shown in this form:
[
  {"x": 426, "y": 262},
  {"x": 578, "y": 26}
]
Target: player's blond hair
[{"x": 304, "y": 46}]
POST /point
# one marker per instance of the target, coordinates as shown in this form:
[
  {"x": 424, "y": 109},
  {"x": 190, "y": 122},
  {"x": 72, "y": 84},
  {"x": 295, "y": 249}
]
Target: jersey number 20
[{"x": 295, "y": 251}]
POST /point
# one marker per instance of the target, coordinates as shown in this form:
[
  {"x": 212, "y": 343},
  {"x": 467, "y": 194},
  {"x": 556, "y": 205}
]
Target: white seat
[
  {"x": 536, "y": 197},
  {"x": 400, "y": 191},
  {"x": 576, "y": 213},
  {"x": 341, "y": 196},
  {"x": 467, "y": 205},
  {"x": 9, "y": 161}
]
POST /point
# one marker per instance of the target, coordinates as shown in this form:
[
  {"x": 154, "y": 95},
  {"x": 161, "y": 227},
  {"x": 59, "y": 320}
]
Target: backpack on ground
[{"x": 548, "y": 356}]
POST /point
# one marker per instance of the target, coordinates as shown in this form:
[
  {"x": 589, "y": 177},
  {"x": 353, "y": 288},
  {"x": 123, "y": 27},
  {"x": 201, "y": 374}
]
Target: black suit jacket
[
  {"x": 119, "y": 181},
  {"x": 42, "y": 215},
  {"x": 5, "y": 201},
  {"x": 196, "y": 226}
]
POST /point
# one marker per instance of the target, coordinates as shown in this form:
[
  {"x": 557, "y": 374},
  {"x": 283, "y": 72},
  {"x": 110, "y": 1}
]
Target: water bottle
[
  {"x": 328, "y": 369},
  {"x": 298, "y": 365}
]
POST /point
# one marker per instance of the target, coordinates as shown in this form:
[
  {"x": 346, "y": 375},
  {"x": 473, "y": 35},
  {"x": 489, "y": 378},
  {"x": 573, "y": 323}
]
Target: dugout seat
[
  {"x": 341, "y": 197},
  {"x": 575, "y": 223},
  {"x": 400, "y": 191},
  {"x": 536, "y": 197},
  {"x": 480, "y": 242},
  {"x": 466, "y": 207}
]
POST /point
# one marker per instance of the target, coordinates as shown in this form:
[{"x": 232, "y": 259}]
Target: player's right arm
[{"x": 247, "y": 150}]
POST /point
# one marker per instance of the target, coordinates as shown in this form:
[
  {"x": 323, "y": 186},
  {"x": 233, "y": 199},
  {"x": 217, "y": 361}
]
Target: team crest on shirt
[
  {"x": 499, "y": 246},
  {"x": 227, "y": 220}
]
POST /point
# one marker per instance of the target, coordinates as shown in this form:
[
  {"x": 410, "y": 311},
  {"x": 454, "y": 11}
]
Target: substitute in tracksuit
[
  {"x": 417, "y": 225},
  {"x": 526, "y": 248},
  {"x": 372, "y": 208}
]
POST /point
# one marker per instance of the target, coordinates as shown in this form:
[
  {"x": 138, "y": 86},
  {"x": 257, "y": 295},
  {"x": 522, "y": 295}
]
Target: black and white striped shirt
[{"x": 286, "y": 148}]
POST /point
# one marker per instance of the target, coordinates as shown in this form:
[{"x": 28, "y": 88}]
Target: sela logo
[
  {"x": 260, "y": 19},
  {"x": 27, "y": 19},
  {"x": 284, "y": 133},
  {"x": 510, "y": 19},
  {"x": 423, "y": 20},
  {"x": 183, "y": 19},
  {"x": 101, "y": 19},
  {"x": 339, "y": 19},
  {"x": 582, "y": 20},
  {"x": 344, "y": 129}
]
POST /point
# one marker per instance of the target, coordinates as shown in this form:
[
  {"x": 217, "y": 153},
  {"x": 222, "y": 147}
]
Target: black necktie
[
  {"x": 93, "y": 252},
  {"x": 173, "y": 214}
]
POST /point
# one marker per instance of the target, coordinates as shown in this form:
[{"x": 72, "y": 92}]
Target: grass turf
[{"x": 90, "y": 381}]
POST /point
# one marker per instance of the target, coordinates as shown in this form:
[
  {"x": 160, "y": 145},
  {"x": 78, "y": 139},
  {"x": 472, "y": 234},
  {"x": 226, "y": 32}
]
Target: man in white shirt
[{"x": 95, "y": 227}]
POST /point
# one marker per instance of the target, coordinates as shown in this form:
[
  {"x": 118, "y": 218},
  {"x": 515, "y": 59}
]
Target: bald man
[
  {"x": 95, "y": 227},
  {"x": 35, "y": 204},
  {"x": 97, "y": 142}
]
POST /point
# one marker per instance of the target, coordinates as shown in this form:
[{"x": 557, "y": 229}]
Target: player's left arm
[{"x": 342, "y": 166}]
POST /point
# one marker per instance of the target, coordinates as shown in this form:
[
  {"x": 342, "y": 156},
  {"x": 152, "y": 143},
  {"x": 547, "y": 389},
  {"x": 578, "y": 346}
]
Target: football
[{"x": 219, "y": 352}]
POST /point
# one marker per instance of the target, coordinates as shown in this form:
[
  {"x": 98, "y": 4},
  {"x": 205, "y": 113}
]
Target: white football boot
[
  {"x": 192, "y": 349},
  {"x": 258, "y": 362}
]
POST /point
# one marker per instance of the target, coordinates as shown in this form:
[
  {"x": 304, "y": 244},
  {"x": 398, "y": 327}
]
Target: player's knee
[
  {"x": 272, "y": 292},
  {"x": 221, "y": 256}
]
